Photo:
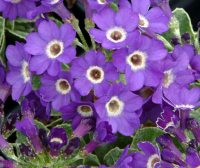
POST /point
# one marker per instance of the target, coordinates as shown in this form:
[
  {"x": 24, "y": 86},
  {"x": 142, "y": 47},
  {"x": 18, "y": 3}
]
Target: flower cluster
[{"x": 77, "y": 91}]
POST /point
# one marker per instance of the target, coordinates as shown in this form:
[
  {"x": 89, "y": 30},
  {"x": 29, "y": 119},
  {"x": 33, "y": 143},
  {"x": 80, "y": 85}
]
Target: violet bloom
[
  {"x": 47, "y": 6},
  {"x": 4, "y": 86},
  {"x": 14, "y": 8},
  {"x": 169, "y": 121},
  {"x": 3, "y": 143},
  {"x": 114, "y": 27},
  {"x": 192, "y": 158},
  {"x": 182, "y": 98},
  {"x": 19, "y": 75},
  {"x": 151, "y": 20},
  {"x": 174, "y": 72},
  {"x": 138, "y": 61},
  {"x": 29, "y": 129},
  {"x": 97, "y": 5},
  {"x": 119, "y": 107},
  {"x": 50, "y": 46},
  {"x": 76, "y": 111},
  {"x": 102, "y": 135},
  {"x": 58, "y": 90},
  {"x": 57, "y": 139},
  {"x": 7, "y": 163},
  {"x": 194, "y": 126},
  {"x": 73, "y": 145},
  {"x": 92, "y": 72},
  {"x": 148, "y": 158}
]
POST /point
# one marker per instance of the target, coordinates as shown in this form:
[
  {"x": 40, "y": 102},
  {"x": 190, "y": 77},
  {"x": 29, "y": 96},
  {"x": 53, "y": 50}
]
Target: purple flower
[
  {"x": 50, "y": 46},
  {"x": 76, "y": 111},
  {"x": 138, "y": 61},
  {"x": 170, "y": 123},
  {"x": 151, "y": 20},
  {"x": 26, "y": 150},
  {"x": 4, "y": 87},
  {"x": 14, "y": 8},
  {"x": 29, "y": 129},
  {"x": 119, "y": 107},
  {"x": 57, "y": 139},
  {"x": 182, "y": 98},
  {"x": 174, "y": 72},
  {"x": 58, "y": 90},
  {"x": 7, "y": 163},
  {"x": 50, "y": 6},
  {"x": 114, "y": 27},
  {"x": 97, "y": 5},
  {"x": 194, "y": 126},
  {"x": 72, "y": 146},
  {"x": 150, "y": 156},
  {"x": 192, "y": 158},
  {"x": 93, "y": 73},
  {"x": 19, "y": 75},
  {"x": 102, "y": 135}
]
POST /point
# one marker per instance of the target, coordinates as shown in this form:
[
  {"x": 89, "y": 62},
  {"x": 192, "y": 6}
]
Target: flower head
[
  {"x": 119, "y": 107},
  {"x": 138, "y": 61},
  {"x": 19, "y": 75},
  {"x": 114, "y": 27},
  {"x": 93, "y": 73},
  {"x": 50, "y": 47},
  {"x": 58, "y": 90}
]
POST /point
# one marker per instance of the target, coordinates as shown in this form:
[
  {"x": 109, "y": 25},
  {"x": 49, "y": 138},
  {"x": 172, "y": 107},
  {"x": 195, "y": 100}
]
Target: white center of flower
[
  {"x": 168, "y": 78},
  {"x": 57, "y": 140},
  {"x": 143, "y": 22},
  {"x": 114, "y": 107},
  {"x": 15, "y": 1},
  {"x": 184, "y": 106},
  {"x": 137, "y": 60},
  {"x": 95, "y": 74},
  {"x": 63, "y": 86},
  {"x": 85, "y": 110},
  {"x": 25, "y": 71},
  {"x": 169, "y": 124},
  {"x": 198, "y": 166},
  {"x": 153, "y": 159},
  {"x": 54, "y": 49},
  {"x": 116, "y": 34},
  {"x": 101, "y": 2},
  {"x": 54, "y": 2}
]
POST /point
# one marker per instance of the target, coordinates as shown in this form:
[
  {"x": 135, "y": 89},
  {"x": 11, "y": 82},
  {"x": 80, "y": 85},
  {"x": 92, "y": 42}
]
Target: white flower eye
[
  {"x": 143, "y": 22},
  {"x": 63, "y": 86},
  {"x": 116, "y": 34},
  {"x": 95, "y": 74},
  {"x": 85, "y": 110},
  {"x": 25, "y": 71},
  {"x": 54, "y": 49}
]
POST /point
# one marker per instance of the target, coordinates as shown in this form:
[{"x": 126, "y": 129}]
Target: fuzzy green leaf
[
  {"x": 91, "y": 160},
  {"x": 111, "y": 157}
]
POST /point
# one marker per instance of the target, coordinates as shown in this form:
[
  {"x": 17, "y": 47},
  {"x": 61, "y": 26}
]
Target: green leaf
[
  {"x": 114, "y": 6},
  {"x": 196, "y": 114},
  {"x": 40, "y": 125},
  {"x": 91, "y": 160},
  {"x": 146, "y": 134},
  {"x": 21, "y": 138},
  {"x": 67, "y": 128},
  {"x": 36, "y": 83},
  {"x": 2, "y": 41},
  {"x": 111, "y": 157}
]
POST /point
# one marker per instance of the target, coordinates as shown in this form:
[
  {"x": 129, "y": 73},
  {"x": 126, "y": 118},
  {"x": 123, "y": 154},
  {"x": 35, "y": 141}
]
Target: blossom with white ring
[
  {"x": 137, "y": 60},
  {"x": 184, "y": 106},
  {"x": 85, "y": 110},
  {"x": 116, "y": 34},
  {"x": 101, "y": 2},
  {"x": 114, "y": 107},
  {"x": 63, "y": 86},
  {"x": 54, "y": 49},
  {"x": 153, "y": 159},
  {"x": 95, "y": 74},
  {"x": 54, "y": 2},
  {"x": 168, "y": 78},
  {"x": 25, "y": 71},
  {"x": 143, "y": 22}
]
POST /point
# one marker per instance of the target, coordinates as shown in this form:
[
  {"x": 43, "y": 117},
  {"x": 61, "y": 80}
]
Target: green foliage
[
  {"x": 2, "y": 40},
  {"x": 91, "y": 160},
  {"x": 36, "y": 83},
  {"x": 146, "y": 134},
  {"x": 111, "y": 157}
]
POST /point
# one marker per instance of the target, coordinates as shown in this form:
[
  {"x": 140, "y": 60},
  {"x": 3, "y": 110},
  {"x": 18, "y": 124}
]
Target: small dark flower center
[
  {"x": 113, "y": 106},
  {"x": 64, "y": 85},
  {"x": 116, "y": 35},
  {"x": 55, "y": 49},
  {"x": 102, "y": 1},
  {"x": 136, "y": 59},
  {"x": 95, "y": 74},
  {"x": 85, "y": 108},
  {"x": 141, "y": 22}
]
